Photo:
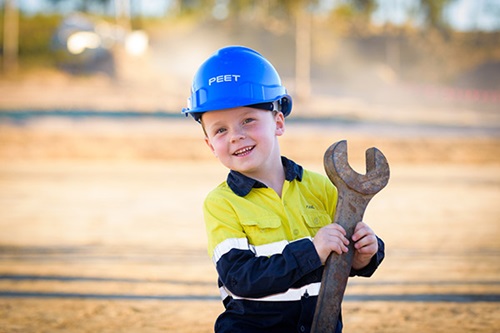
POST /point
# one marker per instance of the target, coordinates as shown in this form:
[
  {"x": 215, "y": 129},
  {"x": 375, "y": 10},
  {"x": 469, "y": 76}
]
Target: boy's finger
[
  {"x": 366, "y": 243},
  {"x": 339, "y": 248},
  {"x": 338, "y": 227},
  {"x": 361, "y": 230}
]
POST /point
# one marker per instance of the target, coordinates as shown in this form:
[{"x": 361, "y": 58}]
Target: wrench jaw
[
  {"x": 377, "y": 170},
  {"x": 335, "y": 161}
]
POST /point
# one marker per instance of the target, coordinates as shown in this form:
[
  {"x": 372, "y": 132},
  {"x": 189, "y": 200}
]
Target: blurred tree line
[{"x": 318, "y": 37}]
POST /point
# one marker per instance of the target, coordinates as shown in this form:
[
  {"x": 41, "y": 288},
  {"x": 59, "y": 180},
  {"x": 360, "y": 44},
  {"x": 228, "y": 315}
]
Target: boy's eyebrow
[
  {"x": 206, "y": 129},
  {"x": 220, "y": 123},
  {"x": 251, "y": 111},
  {"x": 217, "y": 123}
]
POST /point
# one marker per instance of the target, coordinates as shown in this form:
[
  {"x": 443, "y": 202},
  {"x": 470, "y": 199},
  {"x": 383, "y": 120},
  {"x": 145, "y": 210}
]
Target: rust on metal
[{"x": 354, "y": 193}]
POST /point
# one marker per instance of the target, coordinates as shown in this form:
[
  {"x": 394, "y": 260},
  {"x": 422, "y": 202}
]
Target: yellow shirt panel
[{"x": 262, "y": 217}]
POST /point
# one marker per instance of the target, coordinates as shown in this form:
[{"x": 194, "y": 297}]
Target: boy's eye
[
  {"x": 248, "y": 120},
  {"x": 220, "y": 130}
]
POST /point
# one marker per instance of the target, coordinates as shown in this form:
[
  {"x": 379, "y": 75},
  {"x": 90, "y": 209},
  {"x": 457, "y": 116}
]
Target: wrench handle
[
  {"x": 338, "y": 267},
  {"x": 333, "y": 285}
]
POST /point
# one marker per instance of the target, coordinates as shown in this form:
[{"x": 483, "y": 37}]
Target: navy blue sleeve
[
  {"x": 246, "y": 275},
  {"x": 372, "y": 266}
]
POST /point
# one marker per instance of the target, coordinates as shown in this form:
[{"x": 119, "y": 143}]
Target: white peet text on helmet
[{"x": 224, "y": 78}]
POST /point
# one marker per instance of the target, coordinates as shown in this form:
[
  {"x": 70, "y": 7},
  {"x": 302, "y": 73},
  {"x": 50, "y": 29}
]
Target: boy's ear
[
  {"x": 207, "y": 141},
  {"x": 280, "y": 124}
]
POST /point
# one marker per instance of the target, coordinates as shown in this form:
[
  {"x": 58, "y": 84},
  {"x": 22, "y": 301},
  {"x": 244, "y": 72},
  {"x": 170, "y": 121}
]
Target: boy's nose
[{"x": 237, "y": 135}]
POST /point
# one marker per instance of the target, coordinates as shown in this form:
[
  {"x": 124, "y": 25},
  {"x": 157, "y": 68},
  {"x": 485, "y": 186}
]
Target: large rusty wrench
[{"x": 354, "y": 193}]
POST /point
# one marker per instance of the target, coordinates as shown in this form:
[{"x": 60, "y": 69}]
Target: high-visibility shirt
[{"x": 261, "y": 244}]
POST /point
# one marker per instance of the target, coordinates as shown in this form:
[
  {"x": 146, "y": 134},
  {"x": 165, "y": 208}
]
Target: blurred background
[
  {"x": 102, "y": 179},
  {"x": 439, "y": 53}
]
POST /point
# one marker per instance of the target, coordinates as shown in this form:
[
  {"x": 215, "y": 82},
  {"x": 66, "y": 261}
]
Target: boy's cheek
[{"x": 210, "y": 146}]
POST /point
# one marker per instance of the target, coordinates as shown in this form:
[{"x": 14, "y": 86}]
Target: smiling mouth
[{"x": 243, "y": 151}]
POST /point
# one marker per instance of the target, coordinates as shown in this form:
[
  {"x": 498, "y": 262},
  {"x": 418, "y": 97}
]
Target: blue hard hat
[{"x": 236, "y": 76}]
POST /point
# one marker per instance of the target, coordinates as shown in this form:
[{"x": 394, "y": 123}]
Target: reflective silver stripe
[
  {"x": 223, "y": 293},
  {"x": 227, "y": 245},
  {"x": 290, "y": 295},
  {"x": 265, "y": 250}
]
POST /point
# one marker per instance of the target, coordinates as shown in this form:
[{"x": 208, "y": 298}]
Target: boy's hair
[{"x": 237, "y": 76}]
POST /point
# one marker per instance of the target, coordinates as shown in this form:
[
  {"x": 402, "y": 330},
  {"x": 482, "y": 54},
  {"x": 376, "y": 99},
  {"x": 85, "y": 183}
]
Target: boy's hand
[
  {"x": 330, "y": 238},
  {"x": 365, "y": 245}
]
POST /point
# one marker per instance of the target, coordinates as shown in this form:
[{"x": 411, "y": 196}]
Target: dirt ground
[
  {"x": 98, "y": 235},
  {"x": 101, "y": 227}
]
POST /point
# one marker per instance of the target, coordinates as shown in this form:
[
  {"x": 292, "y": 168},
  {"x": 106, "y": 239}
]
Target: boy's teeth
[{"x": 241, "y": 151}]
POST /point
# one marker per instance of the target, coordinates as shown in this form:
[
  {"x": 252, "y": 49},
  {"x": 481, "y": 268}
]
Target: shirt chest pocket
[
  {"x": 316, "y": 220},
  {"x": 263, "y": 229}
]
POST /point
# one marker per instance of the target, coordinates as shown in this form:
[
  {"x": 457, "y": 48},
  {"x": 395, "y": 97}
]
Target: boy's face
[{"x": 244, "y": 138}]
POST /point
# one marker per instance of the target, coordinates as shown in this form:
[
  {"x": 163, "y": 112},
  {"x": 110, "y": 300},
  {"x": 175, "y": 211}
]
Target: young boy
[{"x": 269, "y": 224}]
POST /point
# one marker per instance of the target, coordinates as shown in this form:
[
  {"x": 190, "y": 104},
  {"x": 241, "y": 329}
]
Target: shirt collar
[{"x": 242, "y": 185}]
